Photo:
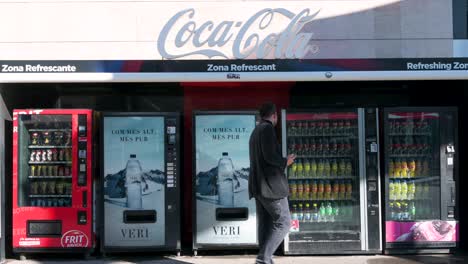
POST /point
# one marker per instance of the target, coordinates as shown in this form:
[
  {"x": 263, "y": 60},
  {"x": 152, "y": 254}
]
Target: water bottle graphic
[
  {"x": 225, "y": 181},
  {"x": 133, "y": 181}
]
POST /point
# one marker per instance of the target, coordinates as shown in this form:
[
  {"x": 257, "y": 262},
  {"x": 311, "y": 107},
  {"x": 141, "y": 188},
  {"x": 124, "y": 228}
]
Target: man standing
[{"x": 268, "y": 184}]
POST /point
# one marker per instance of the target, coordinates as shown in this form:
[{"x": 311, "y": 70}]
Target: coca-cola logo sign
[
  {"x": 74, "y": 238},
  {"x": 207, "y": 38}
]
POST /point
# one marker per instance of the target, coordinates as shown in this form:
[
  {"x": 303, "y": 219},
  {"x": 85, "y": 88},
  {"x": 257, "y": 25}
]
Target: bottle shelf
[
  {"x": 412, "y": 200},
  {"x": 49, "y": 130},
  {"x": 324, "y": 178},
  {"x": 48, "y": 147},
  {"x": 410, "y": 155},
  {"x": 409, "y": 134},
  {"x": 323, "y": 156},
  {"x": 320, "y": 200},
  {"x": 50, "y": 196},
  {"x": 411, "y": 178},
  {"x": 48, "y": 162},
  {"x": 50, "y": 177}
]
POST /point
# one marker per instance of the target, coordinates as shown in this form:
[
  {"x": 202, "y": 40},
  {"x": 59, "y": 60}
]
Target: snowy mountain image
[
  {"x": 114, "y": 186},
  {"x": 206, "y": 181}
]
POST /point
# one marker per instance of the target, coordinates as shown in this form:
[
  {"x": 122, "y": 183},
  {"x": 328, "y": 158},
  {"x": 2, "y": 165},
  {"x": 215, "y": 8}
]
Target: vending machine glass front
[{"x": 45, "y": 161}]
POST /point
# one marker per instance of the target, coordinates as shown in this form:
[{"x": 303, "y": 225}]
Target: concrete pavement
[{"x": 250, "y": 259}]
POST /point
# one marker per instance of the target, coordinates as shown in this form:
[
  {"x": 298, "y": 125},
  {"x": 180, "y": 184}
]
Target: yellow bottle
[
  {"x": 412, "y": 168},
  {"x": 391, "y": 169},
  {"x": 313, "y": 169},
  {"x": 404, "y": 169}
]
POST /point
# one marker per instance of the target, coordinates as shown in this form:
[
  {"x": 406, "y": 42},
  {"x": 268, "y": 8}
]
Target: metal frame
[
  {"x": 198, "y": 246},
  {"x": 362, "y": 178},
  {"x": 100, "y": 198},
  {"x": 421, "y": 247}
]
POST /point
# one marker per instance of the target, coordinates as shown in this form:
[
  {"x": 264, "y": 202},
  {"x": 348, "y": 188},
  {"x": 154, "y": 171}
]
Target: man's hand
[{"x": 291, "y": 158}]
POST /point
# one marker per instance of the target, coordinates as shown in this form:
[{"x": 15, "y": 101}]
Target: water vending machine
[
  {"x": 224, "y": 217},
  {"x": 140, "y": 187}
]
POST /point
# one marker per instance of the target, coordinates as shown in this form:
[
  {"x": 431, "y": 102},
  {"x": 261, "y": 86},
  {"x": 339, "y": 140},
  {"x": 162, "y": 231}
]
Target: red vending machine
[{"x": 52, "y": 184}]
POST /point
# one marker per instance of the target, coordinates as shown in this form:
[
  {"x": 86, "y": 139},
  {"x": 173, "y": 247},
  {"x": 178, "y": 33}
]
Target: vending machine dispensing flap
[
  {"x": 232, "y": 214},
  {"x": 139, "y": 217}
]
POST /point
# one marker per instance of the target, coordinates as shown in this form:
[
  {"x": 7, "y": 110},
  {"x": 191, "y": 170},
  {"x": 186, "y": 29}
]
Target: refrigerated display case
[
  {"x": 334, "y": 182},
  {"x": 52, "y": 184},
  {"x": 140, "y": 202},
  {"x": 224, "y": 217},
  {"x": 421, "y": 173}
]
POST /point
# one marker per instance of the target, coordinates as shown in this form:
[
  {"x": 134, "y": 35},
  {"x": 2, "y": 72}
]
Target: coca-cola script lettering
[{"x": 290, "y": 43}]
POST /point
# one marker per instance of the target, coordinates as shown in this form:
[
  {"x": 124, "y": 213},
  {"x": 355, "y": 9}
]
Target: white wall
[{"x": 118, "y": 29}]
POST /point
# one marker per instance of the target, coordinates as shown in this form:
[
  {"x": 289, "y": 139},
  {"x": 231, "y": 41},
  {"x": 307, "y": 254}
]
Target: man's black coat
[{"x": 267, "y": 165}]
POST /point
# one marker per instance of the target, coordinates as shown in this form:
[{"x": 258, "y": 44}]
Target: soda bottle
[
  {"x": 293, "y": 190},
  {"x": 406, "y": 211},
  {"x": 326, "y": 147},
  {"x": 300, "y": 190},
  {"x": 294, "y": 170},
  {"x": 411, "y": 190},
  {"x": 315, "y": 213},
  {"x": 321, "y": 190},
  {"x": 392, "y": 211},
  {"x": 306, "y": 194},
  {"x": 425, "y": 128},
  {"x": 326, "y": 128},
  {"x": 391, "y": 169},
  {"x": 299, "y": 128},
  {"x": 334, "y": 168},
  {"x": 312, "y": 128},
  {"x": 342, "y": 168},
  {"x": 397, "y": 169},
  {"x": 412, "y": 168},
  {"x": 322, "y": 213},
  {"x": 336, "y": 190},
  {"x": 397, "y": 188},
  {"x": 349, "y": 168},
  {"x": 334, "y": 128},
  {"x": 404, "y": 169},
  {"x": 349, "y": 189},
  {"x": 313, "y": 169},
  {"x": 425, "y": 170},
  {"x": 319, "y": 150},
  {"x": 306, "y": 147},
  {"x": 294, "y": 215},
  {"x": 330, "y": 216},
  {"x": 299, "y": 147},
  {"x": 306, "y": 168},
  {"x": 300, "y": 169},
  {"x": 340, "y": 127},
  {"x": 341, "y": 147},
  {"x": 391, "y": 190},
  {"x": 307, "y": 214},
  {"x": 290, "y": 172},
  {"x": 327, "y": 169},
  {"x": 412, "y": 211},
  {"x": 320, "y": 168},
  {"x": 342, "y": 189},
  {"x": 291, "y": 128},
  {"x": 291, "y": 145},
  {"x": 418, "y": 170},
  {"x": 348, "y": 127},
  {"x": 398, "y": 209},
  {"x": 334, "y": 147},
  {"x": 336, "y": 211},
  {"x": 225, "y": 182},
  {"x": 300, "y": 213},
  {"x": 328, "y": 190},
  {"x": 314, "y": 190},
  {"x": 319, "y": 129},
  {"x": 312, "y": 147},
  {"x": 305, "y": 128}
]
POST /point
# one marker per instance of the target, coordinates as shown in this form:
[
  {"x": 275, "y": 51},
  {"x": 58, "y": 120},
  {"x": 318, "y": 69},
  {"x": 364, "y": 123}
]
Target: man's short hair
[{"x": 267, "y": 110}]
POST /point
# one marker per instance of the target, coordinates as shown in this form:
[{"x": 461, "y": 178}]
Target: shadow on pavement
[{"x": 414, "y": 259}]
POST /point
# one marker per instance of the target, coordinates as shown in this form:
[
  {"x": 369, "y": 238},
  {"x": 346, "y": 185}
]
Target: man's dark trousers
[{"x": 274, "y": 223}]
